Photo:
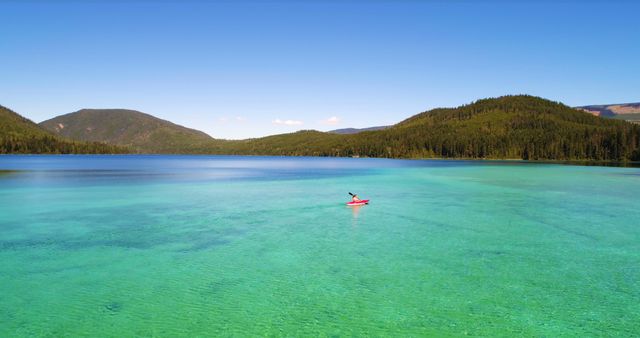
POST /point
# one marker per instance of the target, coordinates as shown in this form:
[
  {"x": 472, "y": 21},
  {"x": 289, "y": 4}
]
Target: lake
[{"x": 118, "y": 246}]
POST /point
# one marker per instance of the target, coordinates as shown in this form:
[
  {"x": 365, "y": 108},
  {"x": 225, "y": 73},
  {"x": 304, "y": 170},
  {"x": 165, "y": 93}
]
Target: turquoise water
[{"x": 119, "y": 246}]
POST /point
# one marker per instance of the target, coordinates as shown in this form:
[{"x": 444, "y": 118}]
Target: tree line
[{"x": 510, "y": 127}]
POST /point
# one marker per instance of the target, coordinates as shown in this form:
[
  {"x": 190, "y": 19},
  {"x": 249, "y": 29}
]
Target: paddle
[{"x": 351, "y": 194}]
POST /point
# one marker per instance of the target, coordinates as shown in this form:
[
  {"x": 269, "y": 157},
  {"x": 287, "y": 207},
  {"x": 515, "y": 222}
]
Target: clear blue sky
[{"x": 237, "y": 70}]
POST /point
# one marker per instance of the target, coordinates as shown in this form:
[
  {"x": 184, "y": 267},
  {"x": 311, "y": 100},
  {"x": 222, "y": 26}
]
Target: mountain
[
  {"x": 622, "y": 111},
  {"x": 507, "y": 127},
  {"x": 512, "y": 127},
  {"x": 612, "y": 109},
  {"x": 138, "y": 131},
  {"x": 21, "y": 135},
  {"x": 356, "y": 130}
]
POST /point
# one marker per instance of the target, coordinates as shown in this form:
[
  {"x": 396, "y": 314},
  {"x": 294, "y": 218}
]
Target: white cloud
[
  {"x": 332, "y": 120},
  {"x": 223, "y": 119},
  {"x": 241, "y": 119},
  {"x": 287, "y": 122}
]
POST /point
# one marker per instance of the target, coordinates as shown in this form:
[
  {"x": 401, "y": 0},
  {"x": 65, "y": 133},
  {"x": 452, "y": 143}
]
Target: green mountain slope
[
  {"x": 517, "y": 127},
  {"x": 514, "y": 127},
  {"x": 20, "y": 135},
  {"x": 141, "y": 132}
]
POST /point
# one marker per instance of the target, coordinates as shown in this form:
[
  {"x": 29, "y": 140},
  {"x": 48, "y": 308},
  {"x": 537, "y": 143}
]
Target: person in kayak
[{"x": 355, "y": 198}]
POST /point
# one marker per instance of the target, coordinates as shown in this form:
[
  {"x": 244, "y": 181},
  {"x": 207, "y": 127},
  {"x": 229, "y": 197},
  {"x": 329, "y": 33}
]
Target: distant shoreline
[{"x": 589, "y": 163}]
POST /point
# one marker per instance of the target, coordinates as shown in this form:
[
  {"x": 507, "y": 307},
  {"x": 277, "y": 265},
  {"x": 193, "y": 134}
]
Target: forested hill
[
  {"x": 512, "y": 127},
  {"x": 136, "y": 130},
  {"x": 20, "y": 135},
  {"x": 508, "y": 127}
]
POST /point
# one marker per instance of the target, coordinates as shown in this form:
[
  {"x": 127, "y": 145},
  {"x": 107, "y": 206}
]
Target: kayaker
[{"x": 355, "y": 198}]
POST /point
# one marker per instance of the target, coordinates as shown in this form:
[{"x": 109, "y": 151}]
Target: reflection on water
[
  {"x": 355, "y": 214},
  {"x": 355, "y": 209}
]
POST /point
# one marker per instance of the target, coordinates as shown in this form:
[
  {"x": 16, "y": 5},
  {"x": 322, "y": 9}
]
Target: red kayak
[{"x": 360, "y": 202}]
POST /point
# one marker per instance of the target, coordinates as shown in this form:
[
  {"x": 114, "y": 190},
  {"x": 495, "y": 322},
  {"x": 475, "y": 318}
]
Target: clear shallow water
[{"x": 199, "y": 246}]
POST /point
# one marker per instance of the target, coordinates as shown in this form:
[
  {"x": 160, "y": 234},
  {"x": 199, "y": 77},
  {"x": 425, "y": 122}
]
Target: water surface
[{"x": 197, "y": 246}]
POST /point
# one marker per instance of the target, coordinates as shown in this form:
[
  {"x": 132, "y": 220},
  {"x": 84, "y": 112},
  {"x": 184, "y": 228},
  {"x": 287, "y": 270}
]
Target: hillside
[
  {"x": 622, "y": 111},
  {"x": 515, "y": 127},
  {"x": 21, "y": 135},
  {"x": 633, "y": 118},
  {"x": 356, "y": 130},
  {"x": 138, "y": 131},
  {"x": 301, "y": 143}
]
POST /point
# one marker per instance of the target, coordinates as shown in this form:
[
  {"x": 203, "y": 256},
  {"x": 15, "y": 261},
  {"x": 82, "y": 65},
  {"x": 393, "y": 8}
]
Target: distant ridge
[
  {"x": 141, "y": 132},
  {"x": 347, "y": 131},
  {"x": 612, "y": 109},
  {"x": 622, "y": 111}
]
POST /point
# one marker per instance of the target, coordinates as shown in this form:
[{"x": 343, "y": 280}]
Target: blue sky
[{"x": 238, "y": 70}]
